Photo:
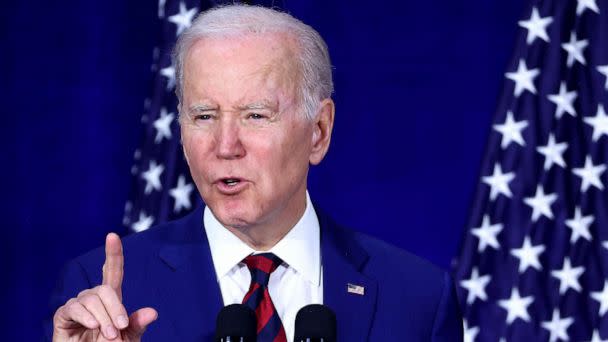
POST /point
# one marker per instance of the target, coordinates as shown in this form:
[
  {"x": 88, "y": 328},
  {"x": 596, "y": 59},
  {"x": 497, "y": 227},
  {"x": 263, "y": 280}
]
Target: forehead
[{"x": 245, "y": 66}]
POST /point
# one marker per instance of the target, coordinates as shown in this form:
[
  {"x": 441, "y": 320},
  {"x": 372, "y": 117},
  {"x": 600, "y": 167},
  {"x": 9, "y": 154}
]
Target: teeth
[{"x": 231, "y": 182}]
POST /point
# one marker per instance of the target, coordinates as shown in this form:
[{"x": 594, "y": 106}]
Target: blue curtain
[{"x": 416, "y": 87}]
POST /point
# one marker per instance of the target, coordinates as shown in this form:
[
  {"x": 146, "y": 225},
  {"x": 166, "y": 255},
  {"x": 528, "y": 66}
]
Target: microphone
[
  {"x": 236, "y": 323},
  {"x": 315, "y": 323}
]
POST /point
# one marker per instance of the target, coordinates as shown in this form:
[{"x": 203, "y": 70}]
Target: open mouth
[
  {"x": 231, "y": 185},
  {"x": 231, "y": 181}
]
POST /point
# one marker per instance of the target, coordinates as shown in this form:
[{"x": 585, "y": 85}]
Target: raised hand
[{"x": 97, "y": 314}]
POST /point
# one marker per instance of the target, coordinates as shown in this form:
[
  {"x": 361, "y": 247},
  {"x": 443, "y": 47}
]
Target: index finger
[{"x": 113, "y": 266}]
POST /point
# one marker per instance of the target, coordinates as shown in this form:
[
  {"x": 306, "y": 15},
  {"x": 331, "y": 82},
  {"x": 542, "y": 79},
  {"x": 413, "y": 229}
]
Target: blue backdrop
[{"x": 416, "y": 86}]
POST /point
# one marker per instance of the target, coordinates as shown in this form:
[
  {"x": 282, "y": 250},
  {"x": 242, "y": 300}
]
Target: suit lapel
[
  {"x": 189, "y": 292},
  {"x": 188, "y": 286},
  {"x": 343, "y": 259}
]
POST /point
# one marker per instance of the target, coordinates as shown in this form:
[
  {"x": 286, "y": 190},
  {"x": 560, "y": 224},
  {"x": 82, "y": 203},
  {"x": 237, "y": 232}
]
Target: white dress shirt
[{"x": 294, "y": 284}]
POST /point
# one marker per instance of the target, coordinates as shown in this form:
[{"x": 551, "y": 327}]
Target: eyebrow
[
  {"x": 264, "y": 104},
  {"x": 202, "y": 107},
  {"x": 259, "y": 105}
]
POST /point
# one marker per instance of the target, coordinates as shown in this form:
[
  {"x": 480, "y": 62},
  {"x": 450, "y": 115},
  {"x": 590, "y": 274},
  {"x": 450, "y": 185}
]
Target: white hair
[{"x": 316, "y": 81}]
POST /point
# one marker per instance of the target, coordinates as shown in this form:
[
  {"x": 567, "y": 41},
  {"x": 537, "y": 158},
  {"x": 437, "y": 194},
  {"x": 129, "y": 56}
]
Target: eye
[
  {"x": 256, "y": 116},
  {"x": 202, "y": 117}
]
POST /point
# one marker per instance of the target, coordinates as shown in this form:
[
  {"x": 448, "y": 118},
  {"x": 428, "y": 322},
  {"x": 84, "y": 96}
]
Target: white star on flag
[
  {"x": 143, "y": 223},
  {"x": 564, "y": 101},
  {"x": 528, "y": 255},
  {"x": 183, "y": 19},
  {"x": 152, "y": 177},
  {"x": 536, "y": 26},
  {"x": 523, "y": 78},
  {"x": 499, "y": 182},
  {"x": 537, "y": 226},
  {"x": 582, "y": 5},
  {"x": 568, "y": 277},
  {"x": 580, "y": 226},
  {"x": 169, "y": 73},
  {"x": 553, "y": 153},
  {"x": 511, "y": 131},
  {"x": 590, "y": 174},
  {"x": 470, "y": 333},
  {"x": 487, "y": 234},
  {"x": 602, "y": 298},
  {"x": 596, "y": 337},
  {"x": 476, "y": 286},
  {"x": 516, "y": 306},
  {"x": 163, "y": 125},
  {"x": 599, "y": 123},
  {"x": 541, "y": 203},
  {"x": 603, "y": 69},
  {"x": 558, "y": 326},
  {"x": 575, "y": 50},
  {"x": 181, "y": 194}
]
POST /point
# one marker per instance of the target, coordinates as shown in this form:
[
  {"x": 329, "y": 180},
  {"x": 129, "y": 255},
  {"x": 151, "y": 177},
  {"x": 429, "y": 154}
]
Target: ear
[{"x": 321, "y": 131}]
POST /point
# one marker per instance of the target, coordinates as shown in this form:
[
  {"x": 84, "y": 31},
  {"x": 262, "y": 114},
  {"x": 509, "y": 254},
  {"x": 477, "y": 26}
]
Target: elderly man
[{"x": 254, "y": 90}]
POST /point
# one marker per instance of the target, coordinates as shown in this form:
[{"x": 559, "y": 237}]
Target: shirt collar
[{"x": 300, "y": 248}]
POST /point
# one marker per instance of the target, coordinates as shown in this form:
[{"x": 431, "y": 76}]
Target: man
[{"x": 254, "y": 90}]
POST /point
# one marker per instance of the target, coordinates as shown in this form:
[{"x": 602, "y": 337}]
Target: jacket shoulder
[
  {"x": 141, "y": 246},
  {"x": 408, "y": 283}
]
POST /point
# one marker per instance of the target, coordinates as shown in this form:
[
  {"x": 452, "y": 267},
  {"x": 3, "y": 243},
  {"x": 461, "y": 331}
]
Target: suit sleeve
[
  {"x": 447, "y": 325},
  {"x": 72, "y": 280}
]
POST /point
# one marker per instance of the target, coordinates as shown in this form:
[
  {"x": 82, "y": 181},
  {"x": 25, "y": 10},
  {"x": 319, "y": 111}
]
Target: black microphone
[
  {"x": 236, "y": 323},
  {"x": 315, "y": 323}
]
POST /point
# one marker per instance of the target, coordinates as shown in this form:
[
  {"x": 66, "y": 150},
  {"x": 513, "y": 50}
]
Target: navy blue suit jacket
[{"x": 169, "y": 268}]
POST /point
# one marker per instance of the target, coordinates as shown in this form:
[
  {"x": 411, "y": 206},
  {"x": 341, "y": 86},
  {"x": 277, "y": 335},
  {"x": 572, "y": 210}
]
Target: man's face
[{"x": 246, "y": 142}]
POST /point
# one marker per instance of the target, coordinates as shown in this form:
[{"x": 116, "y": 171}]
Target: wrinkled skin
[
  {"x": 88, "y": 316},
  {"x": 241, "y": 119}
]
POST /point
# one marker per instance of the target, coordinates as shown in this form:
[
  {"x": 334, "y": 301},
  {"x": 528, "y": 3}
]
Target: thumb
[{"x": 139, "y": 321}]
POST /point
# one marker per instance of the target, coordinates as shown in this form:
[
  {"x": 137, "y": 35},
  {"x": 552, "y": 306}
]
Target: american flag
[
  {"x": 162, "y": 188},
  {"x": 534, "y": 259}
]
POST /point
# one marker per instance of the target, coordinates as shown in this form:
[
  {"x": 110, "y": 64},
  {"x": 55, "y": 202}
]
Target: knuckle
[
  {"x": 73, "y": 309},
  {"x": 104, "y": 290},
  {"x": 65, "y": 307},
  {"x": 88, "y": 300},
  {"x": 69, "y": 306},
  {"x": 84, "y": 293},
  {"x": 57, "y": 318},
  {"x": 65, "y": 310},
  {"x": 58, "y": 313}
]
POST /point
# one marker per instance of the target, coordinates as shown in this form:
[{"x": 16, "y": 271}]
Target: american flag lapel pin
[{"x": 355, "y": 289}]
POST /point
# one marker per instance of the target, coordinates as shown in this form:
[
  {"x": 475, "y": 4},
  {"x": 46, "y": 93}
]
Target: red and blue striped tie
[{"x": 270, "y": 328}]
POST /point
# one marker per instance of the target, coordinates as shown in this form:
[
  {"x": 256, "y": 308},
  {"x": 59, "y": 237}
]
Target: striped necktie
[{"x": 269, "y": 326}]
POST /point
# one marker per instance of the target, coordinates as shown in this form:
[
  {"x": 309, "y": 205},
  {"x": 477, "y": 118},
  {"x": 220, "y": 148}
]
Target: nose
[{"x": 228, "y": 141}]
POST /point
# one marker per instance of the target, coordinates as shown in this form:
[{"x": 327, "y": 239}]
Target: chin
[{"x": 231, "y": 215}]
